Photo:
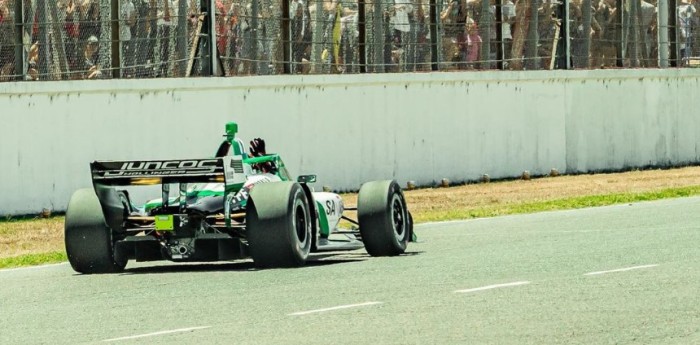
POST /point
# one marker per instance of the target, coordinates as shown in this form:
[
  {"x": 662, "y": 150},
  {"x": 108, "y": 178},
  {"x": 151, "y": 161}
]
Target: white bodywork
[{"x": 330, "y": 210}]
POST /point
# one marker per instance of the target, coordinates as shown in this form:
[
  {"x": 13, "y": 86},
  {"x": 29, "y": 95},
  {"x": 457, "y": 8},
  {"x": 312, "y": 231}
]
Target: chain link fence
[
  {"x": 100, "y": 39},
  {"x": 97, "y": 39}
]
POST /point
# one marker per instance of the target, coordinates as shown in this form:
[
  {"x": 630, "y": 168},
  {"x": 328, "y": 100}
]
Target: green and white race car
[{"x": 233, "y": 206}]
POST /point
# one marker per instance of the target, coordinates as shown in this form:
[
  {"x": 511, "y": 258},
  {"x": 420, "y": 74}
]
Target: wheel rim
[
  {"x": 300, "y": 224},
  {"x": 397, "y": 217}
]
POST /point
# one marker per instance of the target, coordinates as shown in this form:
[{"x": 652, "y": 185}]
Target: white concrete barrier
[{"x": 351, "y": 128}]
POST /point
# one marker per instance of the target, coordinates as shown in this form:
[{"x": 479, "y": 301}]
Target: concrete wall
[{"x": 350, "y": 129}]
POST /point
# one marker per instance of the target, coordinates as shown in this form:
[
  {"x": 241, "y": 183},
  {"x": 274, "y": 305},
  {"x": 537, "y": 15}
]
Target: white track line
[
  {"x": 157, "y": 333},
  {"x": 619, "y": 270},
  {"x": 334, "y": 308},
  {"x": 496, "y": 286}
]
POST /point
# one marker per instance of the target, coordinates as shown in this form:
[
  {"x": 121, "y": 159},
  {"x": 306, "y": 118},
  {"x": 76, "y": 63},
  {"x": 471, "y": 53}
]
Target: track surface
[{"x": 529, "y": 279}]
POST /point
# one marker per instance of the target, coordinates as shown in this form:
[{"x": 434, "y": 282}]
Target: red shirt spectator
[
  {"x": 221, "y": 31},
  {"x": 470, "y": 42}
]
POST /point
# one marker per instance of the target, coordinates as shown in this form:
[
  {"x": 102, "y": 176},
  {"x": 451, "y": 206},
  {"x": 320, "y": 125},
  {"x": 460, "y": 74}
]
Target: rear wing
[{"x": 228, "y": 170}]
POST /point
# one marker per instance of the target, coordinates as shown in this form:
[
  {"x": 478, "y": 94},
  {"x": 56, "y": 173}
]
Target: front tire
[
  {"x": 385, "y": 224},
  {"x": 89, "y": 241},
  {"x": 278, "y": 225}
]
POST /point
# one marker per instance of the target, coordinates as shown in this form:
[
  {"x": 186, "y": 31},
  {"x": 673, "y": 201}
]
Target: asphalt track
[{"x": 625, "y": 274}]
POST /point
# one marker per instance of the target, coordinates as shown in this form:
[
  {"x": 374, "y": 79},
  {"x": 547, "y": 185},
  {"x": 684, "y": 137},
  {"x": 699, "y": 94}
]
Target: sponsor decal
[
  {"x": 237, "y": 166},
  {"x": 156, "y": 168}
]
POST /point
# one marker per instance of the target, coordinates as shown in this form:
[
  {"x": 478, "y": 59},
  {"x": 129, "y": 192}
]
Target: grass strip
[
  {"x": 553, "y": 205},
  {"x": 33, "y": 259},
  {"x": 443, "y": 215}
]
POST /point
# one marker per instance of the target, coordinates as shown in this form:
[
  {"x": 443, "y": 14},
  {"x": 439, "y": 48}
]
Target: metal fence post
[
  {"x": 286, "y": 41},
  {"x": 116, "y": 40},
  {"x": 619, "y": 46},
  {"x": 532, "y": 37},
  {"x": 633, "y": 31},
  {"x": 106, "y": 40},
  {"x": 317, "y": 38},
  {"x": 434, "y": 50},
  {"x": 485, "y": 26},
  {"x": 587, "y": 19},
  {"x": 182, "y": 39},
  {"x": 208, "y": 44},
  {"x": 378, "y": 36},
  {"x": 663, "y": 33},
  {"x": 213, "y": 55},
  {"x": 20, "y": 56},
  {"x": 255, "y": 34},
  {"x": 563, "y": 57},
  {"x": 499, "y": 34},
  {"x": 567, "y": 34},
  {"x": 43, "y": 40},
  {"x": 362, "y": 28},
  {"x": 674, "y": 58},
  {"x": 203, "y": 48}
]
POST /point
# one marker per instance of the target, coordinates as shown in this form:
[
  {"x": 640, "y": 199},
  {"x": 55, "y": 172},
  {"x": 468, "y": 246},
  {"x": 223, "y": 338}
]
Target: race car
[{"x": 232, "y": 206}]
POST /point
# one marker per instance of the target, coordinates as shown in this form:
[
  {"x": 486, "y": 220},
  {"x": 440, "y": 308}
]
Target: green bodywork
[
  {"x": 231, "y": 131},
  {"x": 323, "y": 220}
]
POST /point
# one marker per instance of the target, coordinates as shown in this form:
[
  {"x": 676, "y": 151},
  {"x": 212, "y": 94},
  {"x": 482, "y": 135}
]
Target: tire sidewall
[
  {"x": 298, "y": 202},
  {"x": 376, "y": 217},
  {"x": 395, "y": 194},
  {"x": 89, "y": 242}
]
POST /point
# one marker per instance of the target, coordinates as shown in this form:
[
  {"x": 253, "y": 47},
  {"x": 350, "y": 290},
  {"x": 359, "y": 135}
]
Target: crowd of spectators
[
  {"x": 7, "y": 37},
  {"x": 69, "y": 43},
  {"x": 157, "y": 40}
]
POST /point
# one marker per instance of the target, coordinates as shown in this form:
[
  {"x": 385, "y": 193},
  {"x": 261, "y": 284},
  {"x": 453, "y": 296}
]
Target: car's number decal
[{"x": 330, "y": 207}]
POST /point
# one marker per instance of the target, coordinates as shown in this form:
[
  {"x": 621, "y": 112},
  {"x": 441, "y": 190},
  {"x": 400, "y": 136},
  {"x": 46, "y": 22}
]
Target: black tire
[
  {"x": 89, "y": 241},
  {"x": 278, "y": 225},
  {"x": 410, "y": 227},
  {"x": 385, "y": 224}
]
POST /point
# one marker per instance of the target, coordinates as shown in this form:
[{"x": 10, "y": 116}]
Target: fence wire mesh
[
  {"x": 156, "y": 37},
  {"x": 249, "y": 36},
  {"x": 99, "y": 39}
]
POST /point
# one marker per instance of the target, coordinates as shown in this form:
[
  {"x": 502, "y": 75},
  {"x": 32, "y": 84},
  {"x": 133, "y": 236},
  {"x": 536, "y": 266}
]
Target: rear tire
[
  {"x": 385, "y": 224},
  {"x": 278, "y": 225},
  {"x": 89, "y": 242}
]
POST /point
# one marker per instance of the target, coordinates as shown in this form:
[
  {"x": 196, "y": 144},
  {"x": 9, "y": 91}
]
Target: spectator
[
  {"x": 508, "y": 18},
  {"x": 648, "y": 24},
  {"x": 7, "y": 52},
  {"x": 221, "y": 28},
  {"x": 686, "y": 11},
  {"x": 578, "y": 35},
  {"x": 469, "y": 45},
  {"x": 453, "y": 19},
  {"x": 91, "y": 59},
  {"x": 4, "y": 11},
  {"x": 7, "y": 72},
  {"x": 167, "y": 14},
  {"x": 33, "y": 62},
  {"x": 144, "y": 40},
  {"x": 399, "y": 21},
  {"x": 301, "y": 33},
  {"x": 165, "y": 22},
  {"x": 71, "y": 28},
  {"x": 546, "y": 32},
  {"x": 422, "y": 23},
  {"x": 349, "y": 39},
  {"x": 127, "y": 27},
  {"x": 234, "y": 27},
  {"x": 245, "y": 39},
  {"x": 90, "y": 24},
  {"x": 603, "y": 51},
  {"x": 180, "y": 35}
]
